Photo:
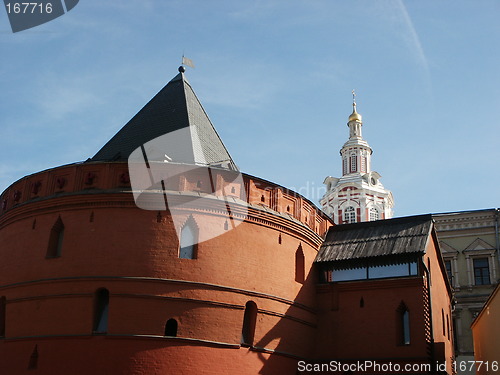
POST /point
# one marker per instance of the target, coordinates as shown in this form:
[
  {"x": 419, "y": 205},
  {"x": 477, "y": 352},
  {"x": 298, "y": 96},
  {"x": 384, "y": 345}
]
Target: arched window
[
  {"x": 3, "y": 311},
  {"x": 249, "y": 322},
  {"x": 299, "y": 265},
  {"x": 56, "y": 237},
  {"x": 101, "y": 310},
  {"x": 349, "y": 215},
  {"x": 171, "y": 328},
  {"x": 374, "y": 214},
  {"x": 189, "y": 240},
  {"x": 403, "y": 324}
]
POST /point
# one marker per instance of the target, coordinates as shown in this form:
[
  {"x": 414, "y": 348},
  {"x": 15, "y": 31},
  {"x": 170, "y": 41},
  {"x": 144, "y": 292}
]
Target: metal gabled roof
[{"x": 390, "y": 237}]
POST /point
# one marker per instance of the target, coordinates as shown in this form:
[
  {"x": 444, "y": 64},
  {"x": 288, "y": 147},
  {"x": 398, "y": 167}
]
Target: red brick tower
[{"x": 92, "y": 284}]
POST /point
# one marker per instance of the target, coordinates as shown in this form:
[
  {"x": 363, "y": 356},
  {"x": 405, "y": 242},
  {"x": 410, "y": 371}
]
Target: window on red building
[
  {"x": 171, "y": 328},
  {"x": 189, "y": 235},
  {"x": 299, "y": 265},
  {"x": 349, "y": 215},
  {"x": 249, "y": 322},
  {"x": 56, "y": 237},
  {"x": 101, "y": 310},
  {"x": 403, "y": 324}
]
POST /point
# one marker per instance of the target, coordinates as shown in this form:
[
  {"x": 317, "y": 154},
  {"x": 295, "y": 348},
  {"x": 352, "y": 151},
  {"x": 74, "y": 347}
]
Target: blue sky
[{"x": 275, "y": 78}]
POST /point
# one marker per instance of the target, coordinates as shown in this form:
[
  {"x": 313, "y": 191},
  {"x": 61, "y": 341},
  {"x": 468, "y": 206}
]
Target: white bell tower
[{"x": 358, "y": 195}]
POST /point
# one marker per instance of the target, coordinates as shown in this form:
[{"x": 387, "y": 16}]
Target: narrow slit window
[
  {"x": 405, "y": 320},
  {"x": 56, "y": 238},
  {"x": 188, "y": 241},
  {"x": 403, "y": 324},
  {"x": 249, "y": 323},
  {"x": 101, "y": 311},
  {"x": 442, "y": 320},
  {"x": 299, "y": 265}
]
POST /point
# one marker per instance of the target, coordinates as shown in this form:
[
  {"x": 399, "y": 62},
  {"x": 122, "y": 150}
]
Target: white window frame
[
  {"x": 349, "y": 215},
  {"x": 470, "y": 255},
  {"x": 353, "y": 162},
  {"x": 373, "y": 210}
]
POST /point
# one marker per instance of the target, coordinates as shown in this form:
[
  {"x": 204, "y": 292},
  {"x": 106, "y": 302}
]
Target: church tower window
[
  {"x": 363, "y": 163},
  {"x": 349, "y": 215},
  {"x": 354, "y": 163},
  {"x": 374, "y": 214}
]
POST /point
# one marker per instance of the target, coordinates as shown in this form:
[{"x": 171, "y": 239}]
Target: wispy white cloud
[{"x": 412, "y": 36}]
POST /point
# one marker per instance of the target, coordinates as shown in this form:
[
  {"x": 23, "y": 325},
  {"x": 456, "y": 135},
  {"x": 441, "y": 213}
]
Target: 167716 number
[{"x": 32, "y": 8}]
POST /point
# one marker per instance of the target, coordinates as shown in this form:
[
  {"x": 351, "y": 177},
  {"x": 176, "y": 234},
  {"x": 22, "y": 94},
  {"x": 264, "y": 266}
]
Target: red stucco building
[{"x": 92, "y": 284}]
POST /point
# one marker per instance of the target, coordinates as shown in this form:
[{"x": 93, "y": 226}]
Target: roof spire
[{"x": 355, "y": 116}]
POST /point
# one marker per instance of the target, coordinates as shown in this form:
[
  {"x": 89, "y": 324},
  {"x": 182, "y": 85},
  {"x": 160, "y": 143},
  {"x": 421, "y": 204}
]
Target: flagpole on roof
[{"x": 187, "y": 62}]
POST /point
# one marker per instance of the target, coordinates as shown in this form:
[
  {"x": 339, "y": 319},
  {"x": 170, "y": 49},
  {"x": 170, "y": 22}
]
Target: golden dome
[{"x": 355, "y": 116}]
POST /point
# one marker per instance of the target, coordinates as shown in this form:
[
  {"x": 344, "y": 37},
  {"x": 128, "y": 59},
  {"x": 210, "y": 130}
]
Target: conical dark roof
[{"x": 174, "y": 109}]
